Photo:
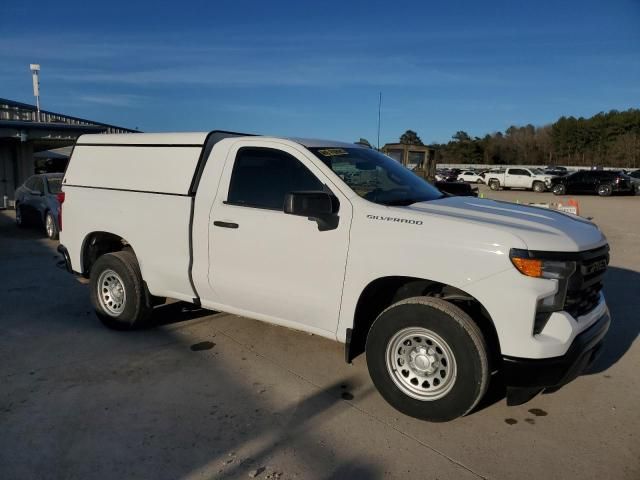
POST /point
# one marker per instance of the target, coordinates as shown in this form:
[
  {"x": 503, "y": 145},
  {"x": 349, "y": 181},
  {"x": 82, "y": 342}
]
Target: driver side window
[{"x": 261, "y": 178}]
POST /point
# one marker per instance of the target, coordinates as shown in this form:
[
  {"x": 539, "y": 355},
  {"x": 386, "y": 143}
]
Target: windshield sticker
[{"x": 333, "y": 152}]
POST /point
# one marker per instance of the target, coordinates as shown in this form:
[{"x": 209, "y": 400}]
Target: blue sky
[{"x": 315, "y": 68}]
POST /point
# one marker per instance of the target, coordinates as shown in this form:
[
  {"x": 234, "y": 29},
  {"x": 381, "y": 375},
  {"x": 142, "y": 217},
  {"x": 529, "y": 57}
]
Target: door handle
[{"x": 225, "y": 224}]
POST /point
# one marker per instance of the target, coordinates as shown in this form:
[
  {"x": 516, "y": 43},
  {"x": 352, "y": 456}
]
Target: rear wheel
[
  {"x": 538, "y": 187},
  {"x": 51, "y": 226},
  {"x": 494, "y": 184},
  {"x": 428, "y": 359},
  {"x": 605, "y": 190},
  {"x": 559, "y": 189},
  {"x": 479, "y": 181},
  {"x": 118, "y": 294}
]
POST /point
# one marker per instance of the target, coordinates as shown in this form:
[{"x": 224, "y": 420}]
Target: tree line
[{"x": 609, "y": 139}]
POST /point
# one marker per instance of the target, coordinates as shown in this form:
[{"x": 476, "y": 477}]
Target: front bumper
[{"x": 525, "y": 377}]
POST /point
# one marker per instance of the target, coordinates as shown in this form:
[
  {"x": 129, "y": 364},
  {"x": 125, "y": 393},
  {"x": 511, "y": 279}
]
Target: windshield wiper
[{"x": 404, "y": 202}]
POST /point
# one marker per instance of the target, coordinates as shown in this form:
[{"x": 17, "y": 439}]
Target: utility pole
[
  {"x": 35, "y": 72},
  {"x": 379, "y": 109}
]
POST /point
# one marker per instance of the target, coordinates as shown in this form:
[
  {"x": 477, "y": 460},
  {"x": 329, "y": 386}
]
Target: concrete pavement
[{"x": 204, "y": 395}]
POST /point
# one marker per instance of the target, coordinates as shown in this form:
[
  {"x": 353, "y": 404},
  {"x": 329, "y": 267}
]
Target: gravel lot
[{"x": 205, "y": 395}]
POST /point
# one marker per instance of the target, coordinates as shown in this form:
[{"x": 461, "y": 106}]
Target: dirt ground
[{"x": 204, "y": 395}]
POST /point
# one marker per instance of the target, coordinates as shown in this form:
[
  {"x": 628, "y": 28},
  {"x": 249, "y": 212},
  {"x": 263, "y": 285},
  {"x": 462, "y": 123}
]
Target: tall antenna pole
[
  {"x": 35, "y": 71},
  {"x": 379, "y": 109}
]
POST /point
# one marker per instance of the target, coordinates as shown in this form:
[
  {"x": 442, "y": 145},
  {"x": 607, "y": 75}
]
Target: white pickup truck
[
  {"x": 341, "y": 241},
  {"x": 527, "y": 178}
]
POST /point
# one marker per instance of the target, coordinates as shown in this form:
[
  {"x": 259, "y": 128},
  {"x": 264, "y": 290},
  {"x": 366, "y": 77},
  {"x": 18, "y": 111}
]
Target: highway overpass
[{"x": 22, "y": 135}]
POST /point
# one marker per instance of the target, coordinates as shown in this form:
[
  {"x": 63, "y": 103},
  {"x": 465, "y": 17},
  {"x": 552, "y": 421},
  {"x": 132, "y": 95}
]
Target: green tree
[
  {"x": 607, "y": 138},
  {"x": 410, "y": 138},
  {"x": 461, "y": 136}
]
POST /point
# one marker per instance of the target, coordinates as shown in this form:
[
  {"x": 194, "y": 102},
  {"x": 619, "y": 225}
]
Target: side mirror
[
  {"x": 316, "y": 206},
  {"x": 308, "y": 204}
]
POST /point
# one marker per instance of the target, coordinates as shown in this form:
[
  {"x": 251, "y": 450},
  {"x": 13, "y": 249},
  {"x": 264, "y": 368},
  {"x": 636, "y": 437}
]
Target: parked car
[
  {"x": 635, "y": 179},
  {"x": 470, "y": 177},
  {"x": 556, "y": 171},
  {"x": 343, "y": 242},
  {"x": 447, "y": 175},
  {"x": 601, "y": 182},
  {"x": 519, "y": 177},
  {"x": 457, "y": 188},
  {"x": 38, "y": 203}
]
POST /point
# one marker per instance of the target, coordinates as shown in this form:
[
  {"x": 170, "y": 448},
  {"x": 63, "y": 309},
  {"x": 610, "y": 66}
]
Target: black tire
[
  {"x": 137, "y": 304},
  {"x": 539, "y": 187},
  {"x": 479, "y": 181},
  {"x": 52, "y": 232},
  {"x": 605, "y": 190},
  {"x": 460, "y": 334},
  {"x": 559, "y": 189},
  {"x": 494, "y": 184},
  {"x": 21, "y": 221}
]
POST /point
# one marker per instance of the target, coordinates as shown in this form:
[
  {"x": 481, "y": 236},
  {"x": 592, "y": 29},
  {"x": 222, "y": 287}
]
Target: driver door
[{"x": 268, "y": 264}]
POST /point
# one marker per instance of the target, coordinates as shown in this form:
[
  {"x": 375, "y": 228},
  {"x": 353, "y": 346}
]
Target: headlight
[{"x": 529, "y": 264}]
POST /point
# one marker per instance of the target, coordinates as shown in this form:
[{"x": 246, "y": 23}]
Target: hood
[
  {"x": 543, "y": 176},
  {"x": 539, "y": 228}
]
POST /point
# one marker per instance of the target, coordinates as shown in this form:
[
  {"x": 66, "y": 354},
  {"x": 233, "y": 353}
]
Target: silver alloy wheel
[
  {"x": 421, "y": 363},
  {"x": 604, "y": 190},
  {"x": 111, "y": 293},
  {"x": 558, "y": 189},
  {"x": 49, "y": 225}
]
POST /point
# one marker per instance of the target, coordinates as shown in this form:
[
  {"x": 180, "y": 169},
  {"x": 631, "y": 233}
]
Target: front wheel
[
  {"x": 538, "y": 187},
  {"x": 428, "y": 359},
  {"x": 494, "y": 184},
  {"x": 118, "y": 294},
  {"x": 559, "y": 189},
  {"x": 605, "y": 190}
]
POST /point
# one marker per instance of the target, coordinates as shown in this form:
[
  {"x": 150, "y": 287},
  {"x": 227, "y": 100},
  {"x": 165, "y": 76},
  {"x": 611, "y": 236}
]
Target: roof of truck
[
  {"x": 191, "y": 139},
  {"x": 181, "y": 138}
]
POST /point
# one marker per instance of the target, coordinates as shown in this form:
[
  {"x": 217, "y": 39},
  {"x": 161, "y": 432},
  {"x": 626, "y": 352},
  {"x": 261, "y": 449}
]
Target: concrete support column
[
  {"x": 25, "y": 166},
  {"x": 7, "y": 170}
]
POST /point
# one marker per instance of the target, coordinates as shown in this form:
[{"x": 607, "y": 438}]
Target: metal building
[
  {"x": 21, "y": 136},
  {"x": 420, "y": 158}
]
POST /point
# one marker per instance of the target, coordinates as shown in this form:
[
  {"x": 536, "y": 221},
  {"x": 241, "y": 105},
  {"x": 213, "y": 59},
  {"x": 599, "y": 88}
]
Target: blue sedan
[{"x": 38, "y": 203}]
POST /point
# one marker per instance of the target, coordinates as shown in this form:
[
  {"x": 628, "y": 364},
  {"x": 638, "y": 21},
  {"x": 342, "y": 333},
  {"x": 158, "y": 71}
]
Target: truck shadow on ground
[
  {"x": 622, "y": 291},
  {"x": 175, "y": 312},
  {"x": 200, "y": 414}
]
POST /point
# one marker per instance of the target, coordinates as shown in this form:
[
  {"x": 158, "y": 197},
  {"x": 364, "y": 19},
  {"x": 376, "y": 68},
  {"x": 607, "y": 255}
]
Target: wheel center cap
[
  {"x": 423, "y": 362},
  {"x": 116, "y": 292}
]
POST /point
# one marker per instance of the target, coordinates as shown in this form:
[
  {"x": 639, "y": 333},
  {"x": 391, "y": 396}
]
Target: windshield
[
  {"x": 376, "y": 177},
  {"x": 55, "y": 184},
  {"x": 537, "y": 171}
]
